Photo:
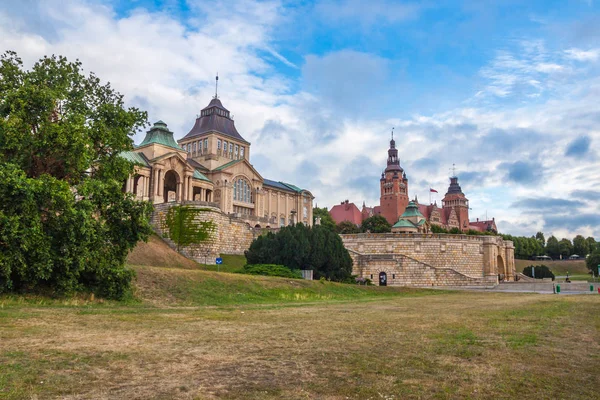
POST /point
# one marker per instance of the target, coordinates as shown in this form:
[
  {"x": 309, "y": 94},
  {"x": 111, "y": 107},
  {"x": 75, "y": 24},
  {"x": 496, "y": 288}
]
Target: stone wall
[
  {"x": 432, "y": 259},
  {"x": 230, "y": 235}
]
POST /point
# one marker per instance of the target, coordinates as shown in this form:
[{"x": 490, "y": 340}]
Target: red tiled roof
[
  {"x": 346, "y": 212},
  {"x": 482, "y": 225}
]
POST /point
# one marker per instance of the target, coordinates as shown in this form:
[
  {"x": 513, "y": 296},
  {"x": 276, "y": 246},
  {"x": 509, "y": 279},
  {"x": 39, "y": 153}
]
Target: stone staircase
[{"x": 403, "y": 270}]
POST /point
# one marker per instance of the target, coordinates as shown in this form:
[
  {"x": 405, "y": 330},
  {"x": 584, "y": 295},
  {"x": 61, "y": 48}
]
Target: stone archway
[
  {"x": 170, "y": 186},
  {"x": 382, "y": 278},
  {"x": 501, "y": 268}
]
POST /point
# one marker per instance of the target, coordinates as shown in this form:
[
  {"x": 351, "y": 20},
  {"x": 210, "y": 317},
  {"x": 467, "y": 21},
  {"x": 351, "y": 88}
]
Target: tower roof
[
  {"x": 393, "y": 162},
  {"x": 160, "y": 134},
  {"x": 454, "y": 187},
  {"x": 215, "y": 118}
]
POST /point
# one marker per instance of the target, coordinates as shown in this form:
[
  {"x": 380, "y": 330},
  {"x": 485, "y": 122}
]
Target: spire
[
  {"x": 216, "y": 86},
  {"x": 393, "y": 162},
  {"x": 453, "y": 170}
]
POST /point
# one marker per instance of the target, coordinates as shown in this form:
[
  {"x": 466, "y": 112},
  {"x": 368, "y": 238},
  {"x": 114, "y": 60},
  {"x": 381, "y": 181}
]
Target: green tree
[
  {"x": 326, "y": 220},
  {"x": 438, "y": 229},
  {"x": 552, "y": 248},
  {"x": 540, "y": 238},
  {"x": 185, "y": 229},
  {"x": 301, "y": 247},
  {"x": 592, "y": 245},
  {"x": 345, "y": 227},
  {"x": 376, "y": 224},
  {"x": 593, "y": 261},
  {"x": 565, "y": 247},
  {"x": 581, "y": 246},
  {"x": 65, "y": 224}
]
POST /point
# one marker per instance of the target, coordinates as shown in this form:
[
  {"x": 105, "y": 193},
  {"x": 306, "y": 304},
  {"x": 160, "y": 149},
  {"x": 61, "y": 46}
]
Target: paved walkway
[{"x": 576, "y": 287}]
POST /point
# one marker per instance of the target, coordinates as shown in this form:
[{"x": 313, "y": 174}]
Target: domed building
[
  {"x": 411, "y": 221},
  {"x": 211, "y": 165}
]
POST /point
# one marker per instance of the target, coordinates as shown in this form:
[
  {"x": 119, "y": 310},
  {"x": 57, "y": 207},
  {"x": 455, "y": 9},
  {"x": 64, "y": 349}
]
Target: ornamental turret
[{"x": 393, "y": 186}]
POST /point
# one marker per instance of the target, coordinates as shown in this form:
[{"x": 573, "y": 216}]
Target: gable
[{"x": 237, "y": 167}]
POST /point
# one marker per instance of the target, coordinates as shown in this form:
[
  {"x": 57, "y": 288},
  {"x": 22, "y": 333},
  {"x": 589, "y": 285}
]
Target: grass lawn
[{"x": 201, "y": 334}]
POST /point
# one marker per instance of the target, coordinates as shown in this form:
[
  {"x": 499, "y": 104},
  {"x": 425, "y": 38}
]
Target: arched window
[{"x": 242, "y": 191}]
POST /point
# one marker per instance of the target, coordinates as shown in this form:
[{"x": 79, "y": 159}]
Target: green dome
[
  {"x": 160, "y": 134},
  {"x": 412, "y": 210}
]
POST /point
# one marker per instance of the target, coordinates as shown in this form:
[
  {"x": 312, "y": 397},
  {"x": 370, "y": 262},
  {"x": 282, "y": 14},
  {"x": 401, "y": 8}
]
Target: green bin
[
  {"x": 557, "y": 288},
  {"x": 591, "y": 288}
]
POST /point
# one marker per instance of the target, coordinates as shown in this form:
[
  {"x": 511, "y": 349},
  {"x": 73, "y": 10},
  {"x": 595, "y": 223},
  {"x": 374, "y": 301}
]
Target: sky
[{"x": 506, "y": 91}]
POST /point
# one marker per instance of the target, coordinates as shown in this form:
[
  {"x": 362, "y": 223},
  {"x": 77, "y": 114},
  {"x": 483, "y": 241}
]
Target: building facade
[
  {"x": 394, "y": 203},
  {"x": 211, "y": 165}
]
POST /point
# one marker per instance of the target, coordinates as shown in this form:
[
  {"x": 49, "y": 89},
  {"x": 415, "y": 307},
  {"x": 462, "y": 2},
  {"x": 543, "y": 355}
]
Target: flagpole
[{"x": 429, "y": 195}]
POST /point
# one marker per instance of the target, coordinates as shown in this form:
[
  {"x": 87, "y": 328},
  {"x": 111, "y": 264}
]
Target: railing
[{"x": 476, "y": 238}]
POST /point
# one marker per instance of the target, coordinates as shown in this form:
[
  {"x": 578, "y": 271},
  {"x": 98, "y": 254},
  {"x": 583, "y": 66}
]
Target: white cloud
[
  {"x": 583, "y": 55},
  {"x": 329, "y": 137}
]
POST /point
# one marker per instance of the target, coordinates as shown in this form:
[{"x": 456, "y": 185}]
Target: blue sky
[{"x": 506, "y": 90}]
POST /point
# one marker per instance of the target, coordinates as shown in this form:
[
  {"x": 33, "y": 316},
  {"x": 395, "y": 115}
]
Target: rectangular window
[
  {"x": 205, "y": 144},
  {"x": 184, "y": 147},
  {"x": 194, "y": 147},
  {"x": 236, "y": 149},
  {"x": 218, "y": 144},
  {"x": 242, "y": 151},
  {"x": 224, "y": 147},
  {"x": 230, "y": 147},
  {"x": 281, "y": 222}
]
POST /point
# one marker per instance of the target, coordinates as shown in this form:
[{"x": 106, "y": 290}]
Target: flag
[{"x": 432, "y": 190}]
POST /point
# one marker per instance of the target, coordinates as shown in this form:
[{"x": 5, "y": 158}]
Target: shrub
[
  {"x": 541, "y": 271},
  {"x": 270, "y": 270}
]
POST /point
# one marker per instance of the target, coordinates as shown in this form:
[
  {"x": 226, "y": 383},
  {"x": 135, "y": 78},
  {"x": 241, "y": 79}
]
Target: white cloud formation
[
  {"x": 583, "y": 55},
  {"x": 327, "y": 136}
]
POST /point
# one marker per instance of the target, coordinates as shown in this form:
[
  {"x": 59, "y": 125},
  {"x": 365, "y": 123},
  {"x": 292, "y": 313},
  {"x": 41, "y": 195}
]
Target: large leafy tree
[
  {"x": 565, "y": 247},
  {"x": 552, "y": 247},
  {"x": 592, "y": 244},
  {"x": 581, "y": 246},
  {"x": 65, "y": 224},
  {"x": 540, "y": 238},
  {"x": 593, "y": 261},
  {"x": 376, "y": 224},
  {"x": 345, "y": 227},
  {"x": 326, "y": 219}
]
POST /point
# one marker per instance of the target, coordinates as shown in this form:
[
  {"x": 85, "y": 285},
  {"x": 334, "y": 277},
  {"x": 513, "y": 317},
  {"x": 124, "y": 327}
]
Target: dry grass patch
[
  {"x": 448, "y": 345},
  {"x": 158, "y": 253}
]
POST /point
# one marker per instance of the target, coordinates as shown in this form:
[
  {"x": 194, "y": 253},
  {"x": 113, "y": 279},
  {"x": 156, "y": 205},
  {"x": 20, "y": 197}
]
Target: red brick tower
[
  {"x": 455, "y": 199},
  {"x": 394, "y": 187}
]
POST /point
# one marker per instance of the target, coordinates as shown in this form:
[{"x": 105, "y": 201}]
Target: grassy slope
[
  {"x": 576, "y": 268},
  {"x": 183, "y": 287},
  {"x": 156, "y": 253}
]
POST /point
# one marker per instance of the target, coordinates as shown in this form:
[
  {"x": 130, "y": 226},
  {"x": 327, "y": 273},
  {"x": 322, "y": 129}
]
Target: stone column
[
  {"x": 185, "y": 188},
  {"x": 178, "y": 195},
  {"x": 161, "y": 182},
  {"x": 190, "y": 188},
  {"x": 128, "y": 184},
  {"x": 155, "y": 172}
]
